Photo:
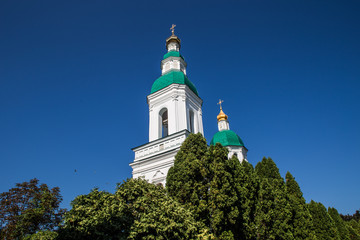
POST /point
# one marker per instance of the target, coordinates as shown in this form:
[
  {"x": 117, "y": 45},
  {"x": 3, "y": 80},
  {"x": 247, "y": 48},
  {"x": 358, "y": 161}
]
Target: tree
[
  {"x": 28, "y": 208},
  {"x": 355, "y": 216},
  {"x": 247, "y": 184},
  {"x": 340, "y": 225},
  {"x": 156, "y": 215},
  {"x": 301, "y": 220},
  {"x": 273, "y": 211},
  {"x": 354, "y": 229},
  {"x": 187, "y": 180},
  {"x": 224, "y": 199},
  {"x": 42, "y": 235},
  {"x": 138, "y": 210},
  {"x": 203, "y": 181},
  {"x": 353, "y": 224},
  {"x": 97, "y": 215},
  {"x": 324, "y": 225}
]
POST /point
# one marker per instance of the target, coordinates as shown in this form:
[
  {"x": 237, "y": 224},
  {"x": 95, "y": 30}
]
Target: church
[{"x": 174, "y": 113}]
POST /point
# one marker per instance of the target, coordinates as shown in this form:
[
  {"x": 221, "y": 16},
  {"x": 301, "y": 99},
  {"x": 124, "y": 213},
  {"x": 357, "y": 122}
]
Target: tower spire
[
  {"x": 173, "y": 42},
  {"x": 222, "y": 116},
  {"x": 173, "y": 61}
]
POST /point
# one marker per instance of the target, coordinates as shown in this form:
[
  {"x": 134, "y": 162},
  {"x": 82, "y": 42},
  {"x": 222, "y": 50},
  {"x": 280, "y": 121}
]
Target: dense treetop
[
  {"x": 207, "y": 196},
  {"x": 29, "y": 208}
]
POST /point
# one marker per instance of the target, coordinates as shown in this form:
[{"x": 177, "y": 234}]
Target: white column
[{"x": 172, "y": 116}]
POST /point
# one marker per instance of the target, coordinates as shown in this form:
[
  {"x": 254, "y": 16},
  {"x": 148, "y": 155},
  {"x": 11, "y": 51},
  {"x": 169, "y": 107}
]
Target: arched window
[
  {"x": 164, "y": 123},
  {"x": 191, "y": 122}
]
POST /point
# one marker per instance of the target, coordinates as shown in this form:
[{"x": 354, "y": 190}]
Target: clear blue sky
[{"x": 74, "y": 76}]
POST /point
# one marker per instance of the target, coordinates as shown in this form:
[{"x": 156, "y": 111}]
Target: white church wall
[
  {"x": 173, "y": 46},
  {"x": 177, "y": 98},
  {"x": 173, "y": 63},
  {"x": 240, "y": 152},
  {"x": 153, "y": 160}
]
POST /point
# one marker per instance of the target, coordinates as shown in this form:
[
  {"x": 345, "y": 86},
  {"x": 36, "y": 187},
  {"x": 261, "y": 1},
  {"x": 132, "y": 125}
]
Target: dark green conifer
[
  {"x": 203, "y": 180},
  {"x": 267, "y": 169},
  {"x": 224, "y": 200},
  {"x": 353, "y": 227},
  {"x": 273, "y": 211},
  {"x": 323, "y": 224},
  {"x": 186, "y": 180},
  {"x": 301, "y": 221},
  {"x": 247, "y": 184},
  {"x": 339, "y": 224}
]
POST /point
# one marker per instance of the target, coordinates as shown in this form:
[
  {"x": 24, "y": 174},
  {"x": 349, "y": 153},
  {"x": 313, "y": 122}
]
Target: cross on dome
[
  {"x": 220, "y": 102},
  {"x": 173, "y": 29},
  {"x": 173, "y": 42},
  {"x": 222, "y": 116}
]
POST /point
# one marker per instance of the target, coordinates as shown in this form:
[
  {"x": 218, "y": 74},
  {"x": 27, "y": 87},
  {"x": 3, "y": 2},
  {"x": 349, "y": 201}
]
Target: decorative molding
[{"x": 160, "y": 145}]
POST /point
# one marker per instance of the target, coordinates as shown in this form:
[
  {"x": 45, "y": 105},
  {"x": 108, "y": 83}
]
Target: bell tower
[{"x": 174, "y": 113}]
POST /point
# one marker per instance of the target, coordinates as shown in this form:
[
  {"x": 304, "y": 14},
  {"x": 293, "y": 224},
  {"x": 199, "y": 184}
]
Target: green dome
[
  {"x": 173, "y": 54},
  {"x": 227, "y": 138},
  {"x": 170, "y": 78}
]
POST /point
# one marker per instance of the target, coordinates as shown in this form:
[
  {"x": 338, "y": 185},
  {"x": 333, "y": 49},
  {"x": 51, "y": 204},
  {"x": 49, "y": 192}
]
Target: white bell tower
[{"x": 174, "y": 112}]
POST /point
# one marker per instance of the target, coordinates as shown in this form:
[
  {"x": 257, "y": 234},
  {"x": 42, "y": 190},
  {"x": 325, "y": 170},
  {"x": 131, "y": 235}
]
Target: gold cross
[
  {"x": 173, "y": 29},
  {"x": 219, "y": 103}
]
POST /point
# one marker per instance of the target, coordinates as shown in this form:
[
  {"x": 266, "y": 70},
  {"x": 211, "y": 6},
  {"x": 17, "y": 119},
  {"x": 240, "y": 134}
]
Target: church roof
[
  {"x": 227, "y": 138},
  {"x": 171, "y": 77},
  {"x": 173, "y": 54}
]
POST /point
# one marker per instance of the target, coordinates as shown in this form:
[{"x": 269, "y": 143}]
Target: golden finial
[
  {"x": 173, "y": 29},
  {"x": 222, "y": 115}
]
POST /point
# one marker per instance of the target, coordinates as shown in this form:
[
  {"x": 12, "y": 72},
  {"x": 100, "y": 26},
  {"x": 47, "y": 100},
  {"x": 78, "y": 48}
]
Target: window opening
[
  {"x": 164, "y": 124},
  {"x": 191, "y": 122}
]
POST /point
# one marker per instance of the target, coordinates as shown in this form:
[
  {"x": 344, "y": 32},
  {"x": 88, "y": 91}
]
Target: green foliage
[
  {"x": 42, "y": 235},
  {"x": 29, "y": 208},
  {"x": 186, "y": 180},
  {"x": 207, "y": 197},
  {"x": 203, "y": 180},
  {"x": 355, "y": 216},
  {"x": 268, "y": 169},
  {"x": 223, "y": 201},
  {"x": 138, "y": 210},
  {"x": 340, "y": 225},
  {"x": 97, "y": 215},
  {"x": 247, "y": 184},
  {"x": 325, "y": 228},
  {"x": 353, "y": 227},
  {"x": 273, "y": 211},
  {"x": 156, "y": 215},
  {"x": 301, "y": 221}
]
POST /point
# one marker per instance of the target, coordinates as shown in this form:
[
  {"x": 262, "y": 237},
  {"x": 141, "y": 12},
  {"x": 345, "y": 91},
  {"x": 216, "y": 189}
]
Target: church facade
[{"x": 174, "y": 113}]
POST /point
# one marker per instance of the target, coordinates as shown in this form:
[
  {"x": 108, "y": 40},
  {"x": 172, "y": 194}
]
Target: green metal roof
[
  {"x": 173, "y": 54},
  {"x": 169, "y": 78},
  {"x": 227, "y": 138}
]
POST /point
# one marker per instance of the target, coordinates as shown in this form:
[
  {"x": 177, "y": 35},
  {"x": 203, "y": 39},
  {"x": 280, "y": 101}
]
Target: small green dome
[
  {"x": 227, "y": 138},
  {"x": 171, "y": 77},
  {"x": 173, "y": 54}
]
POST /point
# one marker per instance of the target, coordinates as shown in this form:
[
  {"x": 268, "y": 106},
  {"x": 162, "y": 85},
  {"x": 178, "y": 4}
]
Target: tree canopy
[
  {"x": 137, "y": 210},
  {"x": 29, "y": 208},
  {"x": 203, "y": 180},
  {"x": 207, "y": 196}
]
